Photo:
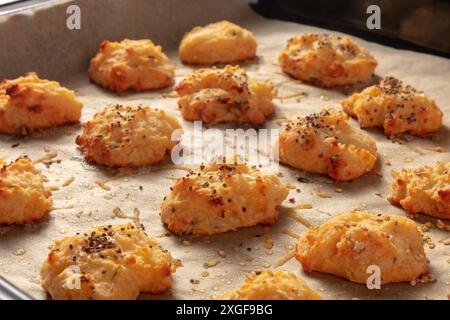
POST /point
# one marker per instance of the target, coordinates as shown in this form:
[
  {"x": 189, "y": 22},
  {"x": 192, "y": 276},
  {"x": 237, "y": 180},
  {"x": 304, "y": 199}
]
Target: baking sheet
[{"x": 38, "y": 41}]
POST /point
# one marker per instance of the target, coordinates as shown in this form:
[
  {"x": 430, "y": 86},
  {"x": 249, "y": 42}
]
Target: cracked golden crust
[
  {"x": 326, "y": 60},
  {"x": 131, "y": 64},
  {"x": 395, "y": 107},
  {"x": 23, "y": 196},
  {"x": 29, "y": 103},
  {"x": 423, "y": 190},
  {"x": 220, "y": 42},
  {"x": 272, "y": 285},
  {"x": 348, "y": 244},
  {"x": 221, "y": 197},
  {"x": 128, "y": 136},
  {"x": 225, "y": 95},
  {"x": 110, "y": 263},
  {"x": 326, "y": 143}
]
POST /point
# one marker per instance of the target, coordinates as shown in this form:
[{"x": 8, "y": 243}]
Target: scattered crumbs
[
  {"x": 19, "y": 252},
  {"x": 204, "y": 274},
  {"x": 194, "y": 281},
  {"x": 338, "y": 190},
  {"x": 265, "y": 265},
  {"x": 324, "y": 98},
  {"x": 321, "y": 193},
  {"x": 409, "y": 160},
  {"x": 304, "y": 206},
  {"x": 68, "y": 182},
  {"x": 379, "y": 194},
  {"x": 103, "y": 185},
  {"x": 211, "y": 263},
  {"x": 268, "y": 241},
  {"x": 446, "y": 242},
  {"x": 221, "y": 253},
  {"x": 163, "y": 235}
]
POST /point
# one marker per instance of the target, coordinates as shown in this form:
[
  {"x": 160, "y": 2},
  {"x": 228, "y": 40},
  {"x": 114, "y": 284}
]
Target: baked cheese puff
[
  {"x": 128, "y": 136},
  {"x": 326, "y": 143},
  {"x": 225, "y": 95},
  {"x": 131, "y": 65},
  {"x": 108, "y": 263},
  {"x": 395, "y": 107},
  {"x": 216, "y": 198},
  {"x": 272, "y": 285},
  {"x": 326, "y": 60},
  {"x": 29, "y": 103},
  {"x": 347, "y": 245},
  {"x": 220, "y": 42},
  {"x": 423, "y": 190},
  {"x": 23, "y": 196}
]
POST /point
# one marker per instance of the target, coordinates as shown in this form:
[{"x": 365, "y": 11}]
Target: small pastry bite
[
  {"x": 131, "y": 65},
  {"x": 220, "y": 42},
  {"x": 326, "y": 143},
  {"x": 108, "y": 263},
  {"x": 23, "y": 196},
  {"x": 225, "y": 95},
  {"x": 128, "y": 136},
  {"x": 348, "y": 244},
  {"x": 326, "y": 60},
  {"x": 395, "y": 107},
  {"x": 272, "y": 285},
  {"x": 29, "y": 103},
  {"x": 216, "y": 198},
  {"x": 423, "y": 190}
]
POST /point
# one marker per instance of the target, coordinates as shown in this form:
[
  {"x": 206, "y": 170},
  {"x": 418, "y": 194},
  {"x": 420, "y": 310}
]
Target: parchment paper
[{"x": 39, "y": 41}]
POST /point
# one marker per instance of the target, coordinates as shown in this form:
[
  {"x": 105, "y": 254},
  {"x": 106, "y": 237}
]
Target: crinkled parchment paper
[{"x": 39, "y": 41}]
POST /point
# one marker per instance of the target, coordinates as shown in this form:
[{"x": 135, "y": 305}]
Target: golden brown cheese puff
[
  {"x": 108, "y": 263},
  {"x": 326, "y": 60},
  {"x": 326, "y": 143},
  {"x": 220, "y": 42},
  {"x": 23, "y": 196},
  {"x": 348, "y": 244},
  {"x": 128, "y": 136},
  {"x": 131, "y": 64},
  {"x": 395, "y": 107},
  {"x": 272, "y": 285},
  {"x": 423, "y": 190},
  {"x": 29, "y": 103},
  {"x": 221, "y": 197},
  {"x": 225, "y": 95}
]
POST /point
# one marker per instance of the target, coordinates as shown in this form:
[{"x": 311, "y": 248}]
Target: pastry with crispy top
[
  {"x": 220, "y": 42},
  {"x": 128, "y": 136},
  {"x": 29, "y": 103},
  {"x": 272, "y": 285},
  {"x": 225, "y": 95},
  {"x": 23, "y": 196},
  {"x": 348, "y": 244},
  {"x": 108, "y": 263},
  {"x": 131, "y": 65},
  {"x": 326, "y": 143},
  {"x": 423, "y": 190},
  {"x": 326, "y": 60},
  {"x": 395, "y": 107},
  {"x": 220, "y": 197}
]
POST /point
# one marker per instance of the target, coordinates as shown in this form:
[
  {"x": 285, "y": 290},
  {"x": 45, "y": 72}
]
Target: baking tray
[{"x": 38, "y": 40}]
